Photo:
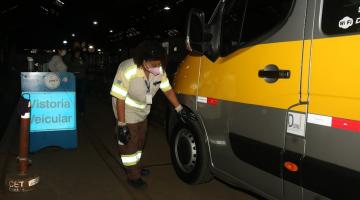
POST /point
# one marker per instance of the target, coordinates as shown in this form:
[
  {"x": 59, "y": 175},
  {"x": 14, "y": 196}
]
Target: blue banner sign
[{"x": 53, "y": 109}]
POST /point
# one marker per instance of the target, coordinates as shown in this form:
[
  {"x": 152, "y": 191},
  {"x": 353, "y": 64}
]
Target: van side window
[
  {"x": 233, "y": 19},
  {"x": 341, "y": 16},
  {"x": 247, "y": 20}
]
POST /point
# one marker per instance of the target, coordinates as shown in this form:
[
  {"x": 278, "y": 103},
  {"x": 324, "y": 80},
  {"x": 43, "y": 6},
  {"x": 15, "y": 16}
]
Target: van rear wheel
[{"x": 190, "y": 155}]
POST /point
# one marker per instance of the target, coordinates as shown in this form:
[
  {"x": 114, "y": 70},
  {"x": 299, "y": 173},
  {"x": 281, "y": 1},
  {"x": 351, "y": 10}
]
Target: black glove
[
  {"x": 186, "y": 115},
  {"x": 122, "y": 135}
]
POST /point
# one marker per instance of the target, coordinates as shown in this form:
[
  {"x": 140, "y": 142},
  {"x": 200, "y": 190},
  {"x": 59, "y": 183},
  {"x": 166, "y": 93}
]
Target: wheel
[{"x": 190, "y": 155}]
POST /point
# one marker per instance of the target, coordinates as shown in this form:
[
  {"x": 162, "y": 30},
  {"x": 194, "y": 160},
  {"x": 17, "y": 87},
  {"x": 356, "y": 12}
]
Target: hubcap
[{"x": 185, "y": 150}]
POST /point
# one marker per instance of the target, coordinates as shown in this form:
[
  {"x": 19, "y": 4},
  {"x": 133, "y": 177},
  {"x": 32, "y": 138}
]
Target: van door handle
[{"x": 272, "y": 73}]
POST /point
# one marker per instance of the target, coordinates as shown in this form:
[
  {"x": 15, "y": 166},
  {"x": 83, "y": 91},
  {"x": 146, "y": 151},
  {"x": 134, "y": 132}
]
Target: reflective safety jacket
[{"x": 130, "y": 85}]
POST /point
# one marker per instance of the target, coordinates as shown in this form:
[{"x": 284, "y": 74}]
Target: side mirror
[
  {"x": 215, "y": 27},
  {"x": 195, "y": 32},
  {"x": 204, "y": 39}
]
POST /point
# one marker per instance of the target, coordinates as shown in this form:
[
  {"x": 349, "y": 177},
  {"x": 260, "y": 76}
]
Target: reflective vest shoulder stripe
[
  {"x": 130, "y": 72},
  {"x": 119, "y": 91},
  {"x": 165, "y": 85}
]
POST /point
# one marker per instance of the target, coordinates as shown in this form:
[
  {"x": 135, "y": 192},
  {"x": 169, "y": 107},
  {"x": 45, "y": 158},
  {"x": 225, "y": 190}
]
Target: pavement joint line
[
  {"x": 157, "y": 165},
  {"x": 7, "y": 139},
  {"x": 114, "y": 171}
]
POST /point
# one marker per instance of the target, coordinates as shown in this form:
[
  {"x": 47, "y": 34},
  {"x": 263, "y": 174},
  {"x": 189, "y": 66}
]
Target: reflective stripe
[
  {"x": 25, "y": 116},
  {"x": 131, "y": 72},
  {"x": 119, "y": 90},
  {"x": 138, "y": 155},
  {"x": 165, "y": 84},
  {"x": 130, "y": 160},
  {"x": 131, "y": 102}
]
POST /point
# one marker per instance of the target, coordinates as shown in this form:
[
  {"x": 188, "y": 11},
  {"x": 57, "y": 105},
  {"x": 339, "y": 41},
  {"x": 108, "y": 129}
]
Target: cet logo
[
  {"x": 346, "y": 22},
  {"x": 52, "y": 81}
]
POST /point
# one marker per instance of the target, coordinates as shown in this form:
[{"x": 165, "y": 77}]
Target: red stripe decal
[
  {"x": 213, "y": 102},
  {"x": 346, "y": 124}
]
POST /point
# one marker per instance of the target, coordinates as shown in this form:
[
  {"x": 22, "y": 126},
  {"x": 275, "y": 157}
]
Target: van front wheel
[{"x": 189, "y": 154}]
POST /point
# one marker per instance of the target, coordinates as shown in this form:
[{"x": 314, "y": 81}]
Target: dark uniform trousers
[{"x": 131, "y": 152}]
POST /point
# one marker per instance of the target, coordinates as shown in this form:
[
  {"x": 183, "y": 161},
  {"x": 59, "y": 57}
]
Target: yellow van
[{"x": 275, "y": 85}]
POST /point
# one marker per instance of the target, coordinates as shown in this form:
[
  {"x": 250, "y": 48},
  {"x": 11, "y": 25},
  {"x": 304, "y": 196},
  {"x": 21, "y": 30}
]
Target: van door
[
  {"x": 244, "y": 96},
  {"x": 332, "y": 164}
]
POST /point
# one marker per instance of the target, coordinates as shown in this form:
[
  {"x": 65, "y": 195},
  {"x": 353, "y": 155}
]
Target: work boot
[
  {"x": 145, "y": 172},
  {"x": 137, "y": 183}
]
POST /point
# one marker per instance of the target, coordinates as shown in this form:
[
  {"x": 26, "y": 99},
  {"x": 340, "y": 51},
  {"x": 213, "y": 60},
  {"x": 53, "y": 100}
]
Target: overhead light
[
  {"x": 91, "y": 48},
  {"x": 167, "y": 8},
  {"x": 59, "y": 3},
  {"x": 99, "y": 50},
  {"x": 95, "y": 22},
  {"x": 111, "y": 31},
  {"x": 65, "y": 42},
  {"x": 73, "y": 35},
  {"x": 45, "y": 9},
  {"x": 9, "y": 9}
]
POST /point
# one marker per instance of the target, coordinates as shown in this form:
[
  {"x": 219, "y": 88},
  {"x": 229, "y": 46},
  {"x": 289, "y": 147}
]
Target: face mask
[
  {"x": 63, "y": 53},
  {"x": 154, "y": 70}
]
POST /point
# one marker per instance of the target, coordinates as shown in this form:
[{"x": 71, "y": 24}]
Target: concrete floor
[
  {"x": 92, "y": 171},
  {"x": 9, "y": 87}
]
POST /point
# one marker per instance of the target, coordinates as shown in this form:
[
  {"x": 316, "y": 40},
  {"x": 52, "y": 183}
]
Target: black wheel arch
[
  {"x": 173, "y": 125},
  {"x": 172, "y": 121}
]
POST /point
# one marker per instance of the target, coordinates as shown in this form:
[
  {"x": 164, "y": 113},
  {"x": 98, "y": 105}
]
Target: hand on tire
[{"x": 186, "y": 115}]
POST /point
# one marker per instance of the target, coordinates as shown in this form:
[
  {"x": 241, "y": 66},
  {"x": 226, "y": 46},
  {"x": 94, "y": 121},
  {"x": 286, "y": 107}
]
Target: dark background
[
  {"x": 44, "y": 23},
  {"x": 34, "y": 28}
]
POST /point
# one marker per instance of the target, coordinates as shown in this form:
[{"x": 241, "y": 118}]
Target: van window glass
[
  {"x": 233, "y": 19},
  {"x": 247, "y": 20},
  {"x": 264, "y": 15},
  {"x": 341, "y": 16}
]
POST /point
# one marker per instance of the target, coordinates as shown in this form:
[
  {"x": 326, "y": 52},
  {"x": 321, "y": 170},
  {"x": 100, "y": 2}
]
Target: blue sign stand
[{"x": 53, "y": 109}]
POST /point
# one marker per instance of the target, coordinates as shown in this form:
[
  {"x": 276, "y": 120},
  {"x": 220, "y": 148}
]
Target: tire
[{"x": 189, "y": 154}]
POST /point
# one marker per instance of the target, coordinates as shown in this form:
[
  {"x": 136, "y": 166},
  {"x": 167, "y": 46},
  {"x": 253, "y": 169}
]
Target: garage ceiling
[{"x": 45, "y": 23}]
